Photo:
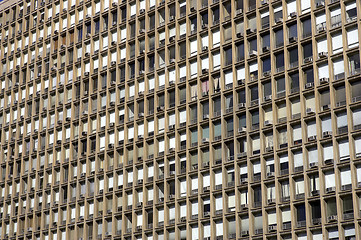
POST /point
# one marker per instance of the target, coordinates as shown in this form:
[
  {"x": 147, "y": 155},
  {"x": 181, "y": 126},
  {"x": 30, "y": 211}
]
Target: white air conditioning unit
[
  {"x": 205, "y": 140},
  {"x": 323, "y": 80},
  {"x": 267, "y": 122},
  {"x": 313, "y": 164},
  {"x": 293, "y": 14},
  {"x": 309, "y": 111},
  {"x": 326, "y": 134},
  {"x": 322, "y": 54},
  {"x": 309, "y": 85}
]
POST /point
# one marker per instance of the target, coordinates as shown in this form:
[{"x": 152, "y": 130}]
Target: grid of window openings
[{"x": 150, "y": 119}]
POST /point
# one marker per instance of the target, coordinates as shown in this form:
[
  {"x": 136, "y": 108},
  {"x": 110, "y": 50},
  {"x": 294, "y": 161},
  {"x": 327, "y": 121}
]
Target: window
[{"x": 337, "y": 43}]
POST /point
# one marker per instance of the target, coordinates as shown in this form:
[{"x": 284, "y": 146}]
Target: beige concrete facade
[{"x": 150, "y": 119}]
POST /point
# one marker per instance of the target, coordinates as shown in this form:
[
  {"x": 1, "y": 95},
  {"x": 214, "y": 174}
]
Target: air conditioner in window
[
  {"x": 307, "y": 60},
  {"x": 278, "y": 20},
  {"x": 204, "y": 48},
  {"x": 323, "y": 80},
  {"x": 269, "y": 149},
  {"x": 252, "y": 53},
  {"x": 205, "y": 140},
  {"x": 244, "y": 233},
  {"x": 326, "y": 134},
  {"x": 328, "y": 161},
  {"x": 320, "y": 4},
  {"x": 267, "y": 122},
  {"x": 292, "y": 39},
  {"x": 308, "y": 85},
  {"x": 293, "y": 14},
  {"x": 312, "y": 138},
  {"x": 250, "y": 30},
  {"x": 321, "y": 29},
  {"x": 309, "y": 111},
  {"x": 238, "y": 11},
  {"x": 332, "y": 218},
  {"x": 313, "y": 164},
  {"x": 330, "y": 189},
  {"x": 322, "y": 54},
  {"x": 272, "y": 228}
]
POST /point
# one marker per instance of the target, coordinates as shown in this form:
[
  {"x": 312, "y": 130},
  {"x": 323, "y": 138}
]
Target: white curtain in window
[
  {"x": 183, "y": 210},
  {"x": 291, "y": 6},
  {"x": 131, "y": 133},
  {"x": 298, "y": 159},
  {"x": 194, "y": 208},
  {"x": 272, "y": 218},
  {"x": 228, "y": 77},
  {"x": 218, "y": 178},
  {"x": 205, "y": 63},
  {"x": 349, "y": 232},
  {"x": 286, "y": 216},
  {"x": 300, "y": 186},
  {"x": 206, "y": 181},
  {"x": 207, "y": 231},
  {"x": 150, "y": 171},
  {"x": 312, "y": 155},
  {"x": 335, "y": 12},
  {"x": 344, "y": 149},
  {"x": 311, "y": 129},
  {"x": 256, "y": 168},
  {"x": 328, "y": 152},
  {"x": 182, "y": 116},
  {"x": 326, "y": 124},
  {"x": 305, "y": 6},
  {"x": 241, "y": 73},
  {"x": 358, "y": 173},
  {"x": 345, "y": 177},
  {"x": 193, "y": 68},
  {"x": 253, "y": 67},
  {"x": 232, "y": 201},
  {"x": 194, "y": 184},
  {"x": 338, "y": 67},
  {"x": 205, "y": 41},
  {"x": 139, "y": 219},
  {"x": 183, "y": 187},
  {"x": 297, "y": 133},
  {"x": 337, "y": 43},
  {"x": 322, "y": 45},
  {"x": 151, "y": 126},
  {"x": 323, "y": 71},
  {"x": 329, "y": 180},
  {"x": 182, "y": 29},
  {"x": 219, "y": 203},
  {"x": 161, "y": 215},
  {"x": 216, "y": 60},
  {"x": 358, "y": 145},
  {"x": 356, "y": 116},
  {"x": 219, "y": 229},
  {"x": 320, "y": 18},
  {"x": 352, "y": 37},
  {"x": 333, "y": 234},
  {"x": 342, "y": 120},
  {"x": 161, "y": 79},
  {"x": 216, "y": 38},
  {"x": 194, "y": 47},
  {"x": 182, "y": 71}
]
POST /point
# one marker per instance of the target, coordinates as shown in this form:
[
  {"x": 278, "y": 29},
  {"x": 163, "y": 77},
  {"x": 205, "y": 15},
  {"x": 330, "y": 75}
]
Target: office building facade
[{"x": 154, "y": 119}]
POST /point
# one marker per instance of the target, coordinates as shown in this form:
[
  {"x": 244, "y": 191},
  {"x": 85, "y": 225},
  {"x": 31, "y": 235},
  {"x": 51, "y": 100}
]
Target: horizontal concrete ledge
[{"x": 7, "y": 3}]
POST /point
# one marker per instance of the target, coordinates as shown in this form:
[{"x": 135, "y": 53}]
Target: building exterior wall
[{"x": 148, "y": 119}]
